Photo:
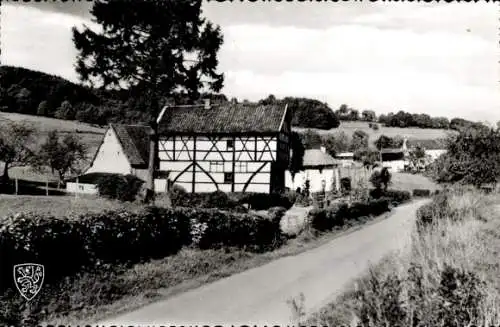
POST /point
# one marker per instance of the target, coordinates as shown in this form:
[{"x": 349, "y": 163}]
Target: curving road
[{"x": 259, "y": 296}]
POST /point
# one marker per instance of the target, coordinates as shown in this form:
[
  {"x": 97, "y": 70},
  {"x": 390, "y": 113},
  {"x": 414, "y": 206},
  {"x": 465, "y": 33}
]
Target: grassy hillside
[
  {"x": 349, "y": 127},
  {"x": 90, "y": 135}
]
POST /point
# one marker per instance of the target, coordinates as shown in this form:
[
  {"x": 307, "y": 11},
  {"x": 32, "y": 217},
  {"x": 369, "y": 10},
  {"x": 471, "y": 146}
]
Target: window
[
  {"x": 241, "y": 167},
  {"x": 216, "y": 167},
  {"x": 228, "y": 177},
  {"x": 80, "y": 187},
  {"x": 229, "y": 144}
]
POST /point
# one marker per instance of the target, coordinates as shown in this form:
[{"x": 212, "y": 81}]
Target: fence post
[{"x": 17, "y": 185}]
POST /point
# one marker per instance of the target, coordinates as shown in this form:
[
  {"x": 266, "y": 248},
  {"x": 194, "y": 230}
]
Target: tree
[
  {"x": 297, "y": 157},
  {"x": 162, "y": 46},
  {"x": 359, "y": 140},
  {"x": 384, "y": 142},
  {"x": 15, "y": 147},
  {"x": 369, "y": 115},
  {"x": 61, "y": 155},
  {"x": 472, "y": 157},
  {"x": 381, "y": 179},
  {"x": 336, "y": 143},
  {"x": 311, "y": 139},
  {"x": 368, "y": 157},
  {"x": 65, "y": 111},
  {"x": 43, "y": 108},
  {"x": 417, "y": 156}
]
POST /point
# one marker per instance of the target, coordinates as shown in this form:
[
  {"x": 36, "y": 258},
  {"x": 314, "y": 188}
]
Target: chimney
[
  {"x": 207, "y": 103},
  {"x": 323, "y": 149}
]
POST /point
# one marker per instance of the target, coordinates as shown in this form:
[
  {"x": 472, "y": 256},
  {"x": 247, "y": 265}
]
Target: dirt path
[{"x": 259, "y": 296}]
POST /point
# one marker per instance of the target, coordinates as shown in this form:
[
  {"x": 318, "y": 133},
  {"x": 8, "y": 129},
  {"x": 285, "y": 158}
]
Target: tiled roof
[
  {"x": 223, "y": 119},
  {"x": 317, "y": 158},
  {"x": 135, "y": 142},
  {"x": 392, "y": 150}
]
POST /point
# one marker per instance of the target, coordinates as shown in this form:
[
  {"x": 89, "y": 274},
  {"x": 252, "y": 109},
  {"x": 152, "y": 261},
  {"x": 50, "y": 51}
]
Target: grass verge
[
  {"x": 109, "y": 291},
  {"x": 450, "y": 276}
]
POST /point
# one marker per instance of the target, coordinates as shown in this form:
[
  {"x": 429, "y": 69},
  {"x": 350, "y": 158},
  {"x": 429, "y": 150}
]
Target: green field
[
  {"x": 91, "y": 136},
  {"x": 349, "y": 127}
]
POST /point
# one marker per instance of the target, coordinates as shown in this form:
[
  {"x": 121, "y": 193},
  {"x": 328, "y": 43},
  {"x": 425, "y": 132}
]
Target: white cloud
[{"x": 419, "y": 58}]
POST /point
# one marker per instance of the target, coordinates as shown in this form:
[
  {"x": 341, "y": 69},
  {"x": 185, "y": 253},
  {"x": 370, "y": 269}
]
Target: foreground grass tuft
[{"x": 450, "y": 276}]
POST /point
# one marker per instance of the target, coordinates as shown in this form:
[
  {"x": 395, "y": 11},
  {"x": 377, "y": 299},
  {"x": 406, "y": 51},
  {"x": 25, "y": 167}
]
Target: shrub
[
  {"x": 339, "y": 214},
  {"x": 264, "y": 201},
  {"x": 422, "y": 193},
  {"x": 119, "y": 187},
  {"x": 113, "y": 237},
  {"x": 345, "y": 184},
  {"x": 217, "y": 199},
  {"x": 396, "y": 197}
]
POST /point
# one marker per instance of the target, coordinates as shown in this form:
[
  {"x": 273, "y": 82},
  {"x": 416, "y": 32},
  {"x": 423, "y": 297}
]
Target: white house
[
  {"x": 319, "y": 168},
  {"x": 433, "y": 154},
  {"x": 346, "y": 159},
  {"x": 229, "y": 147},
  {"x": 124, "y": 149}
]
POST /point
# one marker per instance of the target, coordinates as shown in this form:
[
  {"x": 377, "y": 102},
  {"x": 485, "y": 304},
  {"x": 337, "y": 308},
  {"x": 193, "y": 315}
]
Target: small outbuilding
[{"x": 319, "y": 168}]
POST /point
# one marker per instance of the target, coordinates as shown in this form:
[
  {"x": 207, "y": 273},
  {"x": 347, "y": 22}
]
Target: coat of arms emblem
[{"x": 28, "y": 278}]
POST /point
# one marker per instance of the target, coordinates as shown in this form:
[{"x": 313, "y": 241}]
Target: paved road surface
[{"x": 259, "y": 296}]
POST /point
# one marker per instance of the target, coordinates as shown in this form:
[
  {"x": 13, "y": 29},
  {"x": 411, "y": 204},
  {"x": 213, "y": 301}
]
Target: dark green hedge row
[
  {"x": 119, "y": 187},
  {"x": 264, "y": 201},
  {"x": 217, "y": 199},
  {"x": 68, "y": 245},
  {"x": 395, "y": 197},
  {"x": 422, "y": 192},
  {"x": 339, "y": 214}
]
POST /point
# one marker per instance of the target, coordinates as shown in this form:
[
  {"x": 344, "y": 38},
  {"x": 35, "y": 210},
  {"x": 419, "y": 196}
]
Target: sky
[{"x": 439, "y": 59}]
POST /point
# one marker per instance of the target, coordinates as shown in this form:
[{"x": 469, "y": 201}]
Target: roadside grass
[
  {"x": 110, "y": 291},
  {"x": 450, "y": 275},
  {"x": 62, "y": 205},
  {"x": 349, "y": 127}
]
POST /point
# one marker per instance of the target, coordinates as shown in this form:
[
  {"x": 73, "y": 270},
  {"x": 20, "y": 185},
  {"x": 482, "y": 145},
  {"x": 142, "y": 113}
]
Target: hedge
[
  {"x": 265, "y": 201},
  {"x": 68, "y": 245},
  {"x": 217, "y": 199},
  {"x": 422, "y": 192},
  {"x": 119, "y": 187},
  {"x": 396, "y": 197},
  {"x": 338, "y": 215}
]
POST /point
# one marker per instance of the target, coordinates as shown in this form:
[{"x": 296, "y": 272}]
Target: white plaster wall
[
  {"x": 110, "y": 157},
  {"x": 315, "y": 177},
  {"x": 81, "y": 188}
]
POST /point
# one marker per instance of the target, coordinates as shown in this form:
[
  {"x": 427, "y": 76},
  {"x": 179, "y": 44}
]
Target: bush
[
  {"x": 264, "y": 201},
  {"x": 421, "y": 193},
  {"x": 339, "y": 214},
  {"x": 396, "y": 197},
  {"x": 345, "y": 185},
  {"x": 217, "y": 199},
  {"x": 114, "y": 237},
  {"x": 119, "y": 187}
]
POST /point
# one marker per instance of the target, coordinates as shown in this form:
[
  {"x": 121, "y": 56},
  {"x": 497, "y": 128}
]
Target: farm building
[
  {"x": 229, "y": 147},
  {"x": 319, "y": 168},
  {"x": 124, "y": 149},
  {"x": 346, "y": 159}
]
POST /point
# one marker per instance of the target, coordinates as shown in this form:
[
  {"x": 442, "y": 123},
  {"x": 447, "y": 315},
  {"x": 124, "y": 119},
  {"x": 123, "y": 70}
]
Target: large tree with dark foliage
[
  {"x": 472, "y": 157},
  {"x": 161, "y": 46},
  {"x": 307, "y": 113}
]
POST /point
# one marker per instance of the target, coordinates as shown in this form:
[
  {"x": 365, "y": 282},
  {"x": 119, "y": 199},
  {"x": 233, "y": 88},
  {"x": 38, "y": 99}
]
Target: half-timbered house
[{"x": 229, "y": 147}]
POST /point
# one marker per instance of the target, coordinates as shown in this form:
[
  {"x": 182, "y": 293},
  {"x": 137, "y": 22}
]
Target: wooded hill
[{"x": 35, "y": 93}]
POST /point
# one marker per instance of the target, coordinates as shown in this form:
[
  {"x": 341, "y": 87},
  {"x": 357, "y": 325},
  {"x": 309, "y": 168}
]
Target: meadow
[
  {"x": 349, "y": 127},
  {"x": 449, "y": 276}
]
